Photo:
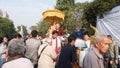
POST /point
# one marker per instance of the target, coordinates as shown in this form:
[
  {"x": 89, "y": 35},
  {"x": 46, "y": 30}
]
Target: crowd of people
[{"x": 58, "y": 51}]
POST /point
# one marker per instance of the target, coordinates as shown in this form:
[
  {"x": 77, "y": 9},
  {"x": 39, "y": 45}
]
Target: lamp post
[{"x": 21, "y": 30}]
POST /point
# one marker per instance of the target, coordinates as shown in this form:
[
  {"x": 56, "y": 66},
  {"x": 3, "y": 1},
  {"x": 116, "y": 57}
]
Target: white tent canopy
[{"x": 110, "y": 24}]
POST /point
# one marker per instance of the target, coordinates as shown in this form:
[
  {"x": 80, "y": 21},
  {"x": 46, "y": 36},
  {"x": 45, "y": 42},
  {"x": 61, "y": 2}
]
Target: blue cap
[{"x": 79, "y": 35}]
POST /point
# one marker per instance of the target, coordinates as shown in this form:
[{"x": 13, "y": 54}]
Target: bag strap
[{"x": 41, "y": 52}]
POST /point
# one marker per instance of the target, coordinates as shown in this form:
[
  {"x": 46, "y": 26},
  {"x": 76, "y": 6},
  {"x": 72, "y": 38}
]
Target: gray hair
[
  {"x": 16, "y": 47},
  {"x": 48, "y": 40},
  {"x": 99, "y": 38}
]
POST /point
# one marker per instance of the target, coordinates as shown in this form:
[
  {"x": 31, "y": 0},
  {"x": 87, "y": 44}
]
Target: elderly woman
[{"x": 16, "y": 57}]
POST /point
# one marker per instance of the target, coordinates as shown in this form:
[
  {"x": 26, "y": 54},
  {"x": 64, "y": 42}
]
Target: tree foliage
[
  {"x": 97, "y": 8},
  {"x": 79, "y": 15},
  {"x": 43, "y": 27},
  {"x": 94, "y": 9},
  {"x": 6, "y": 27},
  {"x": 67, "y": 6}
]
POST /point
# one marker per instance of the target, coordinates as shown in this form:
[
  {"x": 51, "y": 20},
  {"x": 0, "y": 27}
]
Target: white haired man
[
  {"x": 16, "y": 58},
  {"x": 94, "y": 58}
]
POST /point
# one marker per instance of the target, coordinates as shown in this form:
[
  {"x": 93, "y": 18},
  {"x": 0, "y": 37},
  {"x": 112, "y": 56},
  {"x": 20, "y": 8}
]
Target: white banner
[{"x": 110, "y": 24}]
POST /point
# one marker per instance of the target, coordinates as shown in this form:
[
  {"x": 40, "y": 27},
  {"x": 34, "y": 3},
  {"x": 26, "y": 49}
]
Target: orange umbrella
[{"x": 53, "y": 16}]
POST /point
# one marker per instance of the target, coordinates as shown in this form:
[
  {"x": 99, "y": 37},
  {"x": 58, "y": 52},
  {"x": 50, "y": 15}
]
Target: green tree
[
  {"x": 67, "y": 6},
  {"x": 69, "y": 24},
  {"x": 65, "y": 2},
  {"x": 79, "y": 15},
  {"x": 33, "y": 27},
  {"x": 43, "y": 27},
  {"x": 95, "y": 9},
  {"x": 6, "y": 27}
]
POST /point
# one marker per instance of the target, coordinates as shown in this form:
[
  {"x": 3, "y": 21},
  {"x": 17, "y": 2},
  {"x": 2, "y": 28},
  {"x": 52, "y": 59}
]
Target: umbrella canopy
[{"x": 53, "y": 16}]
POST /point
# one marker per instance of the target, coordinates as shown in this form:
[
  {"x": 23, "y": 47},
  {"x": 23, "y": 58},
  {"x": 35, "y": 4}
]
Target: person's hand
[
  {"x": 77, "y": 51},
  {"x": 111, "y": 62},
  {"x": 116, "y": 61},
  {"x": 6, "y": 52}
]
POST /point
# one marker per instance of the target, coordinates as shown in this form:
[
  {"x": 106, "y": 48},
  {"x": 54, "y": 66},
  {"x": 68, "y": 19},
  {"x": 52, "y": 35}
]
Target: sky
[{"x": 28, "y": 12}]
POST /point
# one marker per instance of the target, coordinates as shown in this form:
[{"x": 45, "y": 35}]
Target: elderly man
[
  {"x": 94, "y": 58},
  {"x": 16, "y": 57}
]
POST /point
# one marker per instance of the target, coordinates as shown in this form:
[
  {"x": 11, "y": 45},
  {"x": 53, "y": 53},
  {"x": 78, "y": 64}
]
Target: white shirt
[
  {"x": 18, "y": 63},
  {"x": 2, "y": 50},
  {"x": 79, "y": 43},
  {"x": 44, "y": 40},
  {"x": 58, "y": 43},
  {"x": 88, "y": 43}
]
